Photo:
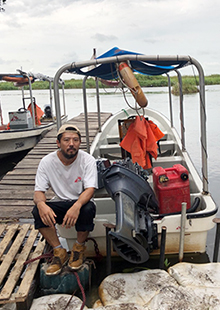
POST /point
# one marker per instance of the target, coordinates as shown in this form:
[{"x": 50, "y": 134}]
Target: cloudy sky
[{"x": 42, "y": 35}]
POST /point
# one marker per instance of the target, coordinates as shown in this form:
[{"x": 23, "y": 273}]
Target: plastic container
[
  {"x": 171, "y": 187},
  {"x": 20, "y": 119}
]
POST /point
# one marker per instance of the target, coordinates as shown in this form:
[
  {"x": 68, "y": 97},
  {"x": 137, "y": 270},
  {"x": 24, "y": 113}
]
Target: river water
[{"x": 112, "y": 101}]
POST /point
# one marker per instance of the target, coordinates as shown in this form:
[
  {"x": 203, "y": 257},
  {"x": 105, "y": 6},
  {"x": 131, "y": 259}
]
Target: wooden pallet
[{"x": 19, "y": 243}]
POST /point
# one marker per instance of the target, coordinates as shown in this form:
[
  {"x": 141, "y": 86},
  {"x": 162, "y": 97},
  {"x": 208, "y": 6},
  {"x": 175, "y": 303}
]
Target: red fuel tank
[{"x": 171, "y": 187}]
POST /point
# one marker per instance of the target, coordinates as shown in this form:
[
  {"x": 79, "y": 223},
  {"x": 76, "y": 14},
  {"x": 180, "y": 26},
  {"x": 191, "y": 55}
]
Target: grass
[{"x": 189, "y": 83}]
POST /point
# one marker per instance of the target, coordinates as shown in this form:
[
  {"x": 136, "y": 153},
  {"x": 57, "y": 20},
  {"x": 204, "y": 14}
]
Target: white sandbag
[
  {"x": 97, "y": 304},
  {"x": 56, "y": 302},
  {"x": 209, "y": 296},
  {"x": 175, "y": 298},
  {"x": 188, "y": 274},
  {"x": 129, "y": 306},
  {"x": 138, "y": 288}
]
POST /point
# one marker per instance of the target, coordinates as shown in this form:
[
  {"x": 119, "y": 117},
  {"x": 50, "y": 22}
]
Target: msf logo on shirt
[{"x": 79, "y": 179}]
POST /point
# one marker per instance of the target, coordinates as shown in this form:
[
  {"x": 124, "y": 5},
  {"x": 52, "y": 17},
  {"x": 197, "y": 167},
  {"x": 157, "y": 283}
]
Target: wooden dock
[{"x": 17, "y": 186}]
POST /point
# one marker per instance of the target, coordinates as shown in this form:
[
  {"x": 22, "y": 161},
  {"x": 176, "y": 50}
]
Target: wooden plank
[
  {"x": 20, "y": 185},
  {"x": 19, "y": 266},
  {"x": 25, "y": 194},
  {"x": 15, "y": 203},
  {"x": 24, "y": 212},
  {"x": 2, "y": 228},
  {"x": 9, "y": 194},
  {"x": 25, "y": 285},
  {"x": 8, "y": 237},
  {"x": 9, "y": 177},
  {"x": 13, "y": 251},
  {"x": 28, "y": 162},
  {"x": 16, "y": 181},
  {"x": 19, "y": 171}
]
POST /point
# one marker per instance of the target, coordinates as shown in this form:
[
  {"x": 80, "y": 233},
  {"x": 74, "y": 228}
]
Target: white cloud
[{"x": 43, "y": 35}]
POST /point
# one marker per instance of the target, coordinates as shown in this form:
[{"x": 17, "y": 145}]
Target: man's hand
[
  {"x": 46, "y": 213},
  {"x": 71, "y": 216}
]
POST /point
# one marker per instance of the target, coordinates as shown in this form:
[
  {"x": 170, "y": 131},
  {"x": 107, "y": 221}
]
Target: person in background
[{"x": 72, "y": 174}]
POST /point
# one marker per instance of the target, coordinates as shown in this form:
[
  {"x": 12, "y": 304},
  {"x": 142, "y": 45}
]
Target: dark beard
[{"x": 69, "y": 156}]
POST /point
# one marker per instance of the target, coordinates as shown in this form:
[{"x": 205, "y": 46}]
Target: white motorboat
[
  {"x": 25, "y": 126},
  {"x": 142, "y": 205}
]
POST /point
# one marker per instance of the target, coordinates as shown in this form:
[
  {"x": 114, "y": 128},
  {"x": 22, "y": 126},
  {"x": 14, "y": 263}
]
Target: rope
[
  {"x": 99, "y": 256},
  {"x": 48, "y": 255},
  {"x": 81, "y": 288},
  {"x": 82, "y": 291}
]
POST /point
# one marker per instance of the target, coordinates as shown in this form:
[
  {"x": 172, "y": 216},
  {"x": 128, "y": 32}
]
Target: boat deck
[{"x": 17, "y": 186}]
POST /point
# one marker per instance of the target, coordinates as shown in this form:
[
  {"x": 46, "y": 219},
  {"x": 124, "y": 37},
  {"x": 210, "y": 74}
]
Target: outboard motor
[
  {"x": 47, "y": 111},
  {"x": 134, "y": 201}
]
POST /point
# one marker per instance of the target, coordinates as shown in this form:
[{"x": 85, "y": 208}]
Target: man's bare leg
[
  {"x": 50, "y": 234},
  {"x": 82, "y": 236}
]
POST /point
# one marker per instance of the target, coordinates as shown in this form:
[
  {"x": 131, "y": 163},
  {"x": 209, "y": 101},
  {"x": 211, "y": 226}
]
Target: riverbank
[{"x": 144, "y": 81}]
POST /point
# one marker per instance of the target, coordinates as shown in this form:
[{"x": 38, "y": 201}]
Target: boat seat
[
  {"x": 113, "y": 139},
  {"x": 109, "y": 149},
  {"x": 167, "y": 161},
  {"x": 106, "y": 149}
]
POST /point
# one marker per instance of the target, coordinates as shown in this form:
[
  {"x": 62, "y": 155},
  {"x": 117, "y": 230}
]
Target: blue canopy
[{"x": 108, "y": 71}]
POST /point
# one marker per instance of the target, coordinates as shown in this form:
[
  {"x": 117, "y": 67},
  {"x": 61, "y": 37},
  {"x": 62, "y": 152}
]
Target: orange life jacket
[
  {"x": 141, "y": 141},
  {"x": 38, "y": 113}
]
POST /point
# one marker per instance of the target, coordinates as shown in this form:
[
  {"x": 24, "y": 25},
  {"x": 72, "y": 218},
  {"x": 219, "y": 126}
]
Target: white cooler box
[{"x": 20, "y": 119}]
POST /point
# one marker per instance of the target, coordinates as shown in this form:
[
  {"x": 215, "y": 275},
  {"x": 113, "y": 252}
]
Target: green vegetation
[
  {"x": 187, "y": 88},
  {"x": 189, "y": 83}
]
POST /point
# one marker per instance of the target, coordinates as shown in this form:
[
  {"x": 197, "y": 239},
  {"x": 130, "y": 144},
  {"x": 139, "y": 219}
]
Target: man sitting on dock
[{"x": 72, "y": 174}]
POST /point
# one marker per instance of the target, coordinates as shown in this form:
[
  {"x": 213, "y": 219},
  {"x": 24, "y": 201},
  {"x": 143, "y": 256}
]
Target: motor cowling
[{"x": 134, "y": 200}]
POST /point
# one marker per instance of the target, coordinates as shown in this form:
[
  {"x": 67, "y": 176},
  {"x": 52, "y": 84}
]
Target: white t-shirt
[{"x": 67, "y": 182}]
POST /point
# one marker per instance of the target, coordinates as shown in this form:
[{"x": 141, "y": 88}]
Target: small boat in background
[
  {"x": 29, "y": 123},
  {"x": 140, "y": 201}
]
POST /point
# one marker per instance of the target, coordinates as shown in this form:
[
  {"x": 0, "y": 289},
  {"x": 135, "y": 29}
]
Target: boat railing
[
  {"x": 121, "y": 58},
  {"x": 86, "y": 111}
]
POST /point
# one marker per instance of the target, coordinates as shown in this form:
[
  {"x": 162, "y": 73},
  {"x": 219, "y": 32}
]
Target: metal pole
[
  {"x": 64, "y": 103},
  {"x": 56, "y": 94},
  {"x": 108, "y": 228},
  {"x": 98, "y": 103},
  {"x": 162, "y": 247},
  {"x": 181, "y": 111},
  {"x": 217, "y": 240},
  {"x": 22, "y": 90},
  {"x": 32, "y": 102},
  {"x": 203, "y": 124},
  {"x": 170, "y": 100},
  {"x": 86, "y": 114},
  {"x": 182, "y": 230}
]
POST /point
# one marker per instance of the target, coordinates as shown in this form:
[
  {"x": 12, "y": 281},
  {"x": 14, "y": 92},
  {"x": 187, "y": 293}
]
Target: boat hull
[
  {"x": 195, "y": 236},
  {"x": 197, "y": 223},
  {"x": 17, "y": 140}
]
